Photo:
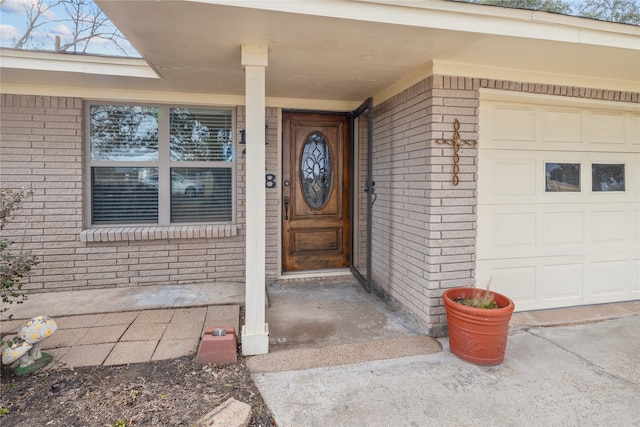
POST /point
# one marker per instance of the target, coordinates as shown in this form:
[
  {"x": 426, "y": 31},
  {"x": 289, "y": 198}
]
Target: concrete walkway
[
  {"x": 583, "y": 375},
  {"x": 117, "y": 326}
]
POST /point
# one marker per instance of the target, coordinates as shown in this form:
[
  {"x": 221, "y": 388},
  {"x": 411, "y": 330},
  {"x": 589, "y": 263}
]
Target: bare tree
[
  {"x": 85, "y": 21},
  {"x": 89, "y": 23},
  {"x": 35, "y": 12}
]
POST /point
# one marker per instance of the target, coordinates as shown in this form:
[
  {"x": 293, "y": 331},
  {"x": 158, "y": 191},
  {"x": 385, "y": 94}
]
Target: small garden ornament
[{"x": 26, "y": 347}]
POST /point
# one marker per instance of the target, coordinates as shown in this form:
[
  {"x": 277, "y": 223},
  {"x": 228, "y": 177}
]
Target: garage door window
[
  {"x": 607, "y": 177},
  {"x": 562, "y": 177}
]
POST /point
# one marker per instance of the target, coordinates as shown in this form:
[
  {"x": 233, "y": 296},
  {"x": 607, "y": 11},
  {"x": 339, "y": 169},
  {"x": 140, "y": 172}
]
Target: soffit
[{"x": 314, "y": 53}]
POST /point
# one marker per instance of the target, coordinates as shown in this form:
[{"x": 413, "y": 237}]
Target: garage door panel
[
  {"x": 555, "y": 230},
  {"x": 508, "y": 177},
  {"x": 550, "y": 249},
  {"x": 519, "y": 176},
  {"x": 563, "y": 228},
  {"x": 507, "y": 233},
  {"x": 607, "y": 279},
  {"x": 514, "y": 124},
  {"x": 514, "y": 177},
  {"x": 532, "y": 285},
  {"x": 562, "y": 125},
  {"x": 606, "y": 127},
  {"x": 553, "y": 128},
  {"x": 517, "y": 280},
  {"x": 562, "y": 283},
  {"x": 609, "y": 227},
  {"x": 515, "y": 230}
]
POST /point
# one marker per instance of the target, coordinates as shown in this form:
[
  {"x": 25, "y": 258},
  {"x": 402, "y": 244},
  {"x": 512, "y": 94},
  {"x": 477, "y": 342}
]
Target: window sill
[{"x": 124, "y": 234}]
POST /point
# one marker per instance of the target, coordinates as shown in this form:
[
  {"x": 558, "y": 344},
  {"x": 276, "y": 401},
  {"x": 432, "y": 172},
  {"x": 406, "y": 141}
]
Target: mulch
[{"x": 175, "y": 392}]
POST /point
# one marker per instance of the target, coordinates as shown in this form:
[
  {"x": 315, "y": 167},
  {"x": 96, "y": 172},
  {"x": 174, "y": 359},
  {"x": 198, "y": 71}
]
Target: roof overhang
[{"x": 337, "y": 51}]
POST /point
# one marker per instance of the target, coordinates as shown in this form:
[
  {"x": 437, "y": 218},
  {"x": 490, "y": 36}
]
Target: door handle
[
  {"x": 286, "y": 208},
  {"x": 371, "y": 187}
]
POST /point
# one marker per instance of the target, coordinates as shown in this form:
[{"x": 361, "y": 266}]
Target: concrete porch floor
[{"x": 311, "y": 325}]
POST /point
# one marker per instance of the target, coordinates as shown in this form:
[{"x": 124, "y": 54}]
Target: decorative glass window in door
[
  {"x": 607, "y": 177},
  {"x": 562, "y": 177},
  {"x": 316, "y": 170}
]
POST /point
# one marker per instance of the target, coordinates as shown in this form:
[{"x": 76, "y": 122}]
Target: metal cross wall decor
[{"x": 456, "y": 142}]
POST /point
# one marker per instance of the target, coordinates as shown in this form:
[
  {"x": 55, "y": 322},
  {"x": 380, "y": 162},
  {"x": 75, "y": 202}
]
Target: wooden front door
[{"x": 315, "y": 195}]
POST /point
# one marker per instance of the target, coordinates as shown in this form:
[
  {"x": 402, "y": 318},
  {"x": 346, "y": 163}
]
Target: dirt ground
[{"x": 174, "y": 392}]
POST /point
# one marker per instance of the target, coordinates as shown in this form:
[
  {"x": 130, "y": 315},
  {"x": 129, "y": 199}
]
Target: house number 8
[{"x": 270, "y": 180}]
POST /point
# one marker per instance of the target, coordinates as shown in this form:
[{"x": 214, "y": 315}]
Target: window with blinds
[{"x": 160, "y": 165}]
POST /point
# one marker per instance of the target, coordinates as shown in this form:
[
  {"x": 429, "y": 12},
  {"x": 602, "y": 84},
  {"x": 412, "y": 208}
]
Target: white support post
[{"x": 255, "y": 331}]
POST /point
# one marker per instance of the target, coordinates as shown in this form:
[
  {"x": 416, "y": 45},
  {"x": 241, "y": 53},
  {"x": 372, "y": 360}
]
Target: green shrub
[{"x": 15, "y": 264}]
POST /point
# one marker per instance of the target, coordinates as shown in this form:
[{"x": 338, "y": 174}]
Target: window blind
[
  {"x": 200, "y": 135},
  {"x": 200, "y": 195},
  {"x": 124, "y": 195},
  {"x": 128, "y": 133},
  {"x": 129, "y": 183}
]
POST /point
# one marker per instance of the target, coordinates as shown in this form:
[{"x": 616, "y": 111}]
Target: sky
[{"x": 13, "y": 22}]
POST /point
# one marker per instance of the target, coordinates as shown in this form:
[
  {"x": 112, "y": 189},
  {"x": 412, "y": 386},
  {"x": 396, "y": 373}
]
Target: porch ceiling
[{"x": 195, "y": 46}]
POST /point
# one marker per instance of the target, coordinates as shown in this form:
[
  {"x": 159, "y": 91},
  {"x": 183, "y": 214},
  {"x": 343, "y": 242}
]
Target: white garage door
[{"x": 558, "y": 200}]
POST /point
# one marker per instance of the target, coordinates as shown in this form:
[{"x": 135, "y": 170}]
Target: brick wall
[
  {"x": 272, "y": 194},
  {"x": 424, "y": 227},
  {"x": 41, "y": 147},
  {"x": 273, "y": 199},
  {"x": 400, "y": 171}
]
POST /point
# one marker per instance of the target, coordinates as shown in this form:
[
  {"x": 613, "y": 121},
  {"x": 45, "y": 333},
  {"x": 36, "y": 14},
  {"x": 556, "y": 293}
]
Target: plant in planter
[{"x": 478, "y": 322}]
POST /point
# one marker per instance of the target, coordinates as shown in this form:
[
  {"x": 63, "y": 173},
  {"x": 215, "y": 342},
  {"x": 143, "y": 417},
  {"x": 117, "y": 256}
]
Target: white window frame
[{"x": 164, "y": 165}]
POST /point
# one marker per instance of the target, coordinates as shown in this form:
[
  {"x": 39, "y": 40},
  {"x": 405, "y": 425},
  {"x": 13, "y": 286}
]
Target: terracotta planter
[{"x": 477, "y": 335}]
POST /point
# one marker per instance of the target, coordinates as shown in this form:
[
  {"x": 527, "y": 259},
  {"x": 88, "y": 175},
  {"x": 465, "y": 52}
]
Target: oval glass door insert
[{"x": 316, "y": 170}]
